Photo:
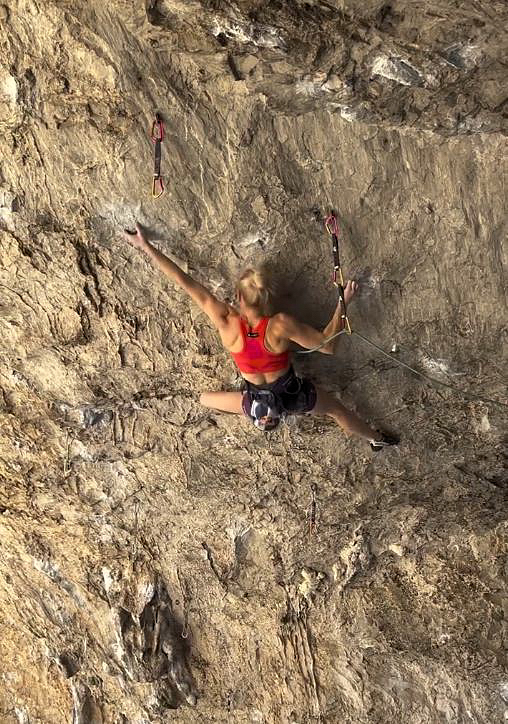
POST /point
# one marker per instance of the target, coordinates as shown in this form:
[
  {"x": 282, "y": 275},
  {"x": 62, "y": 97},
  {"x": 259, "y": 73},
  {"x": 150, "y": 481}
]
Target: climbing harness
[
  {"x": 332, "y": 228},
  {"x": 157, "y": 137},
  {"x": 338, "y": 279}
]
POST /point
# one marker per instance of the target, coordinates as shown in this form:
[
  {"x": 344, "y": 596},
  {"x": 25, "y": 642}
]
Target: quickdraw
[
  {"x": 333, "y": 229},
  {"x": 157, "y": 137}
]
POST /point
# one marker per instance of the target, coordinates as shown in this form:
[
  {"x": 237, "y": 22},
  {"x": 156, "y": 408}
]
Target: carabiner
[{"x": 157, "y": 192}]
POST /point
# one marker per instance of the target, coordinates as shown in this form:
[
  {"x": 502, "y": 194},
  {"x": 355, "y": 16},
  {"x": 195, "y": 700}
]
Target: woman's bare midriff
[{"x": 266, "y": 378}]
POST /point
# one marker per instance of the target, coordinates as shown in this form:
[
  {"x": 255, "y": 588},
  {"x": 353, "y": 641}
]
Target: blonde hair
[{"x": 254, "y": 289}]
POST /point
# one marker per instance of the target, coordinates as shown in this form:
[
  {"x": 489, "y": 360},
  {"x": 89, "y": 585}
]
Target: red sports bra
[{"x": 254, "y": 357}]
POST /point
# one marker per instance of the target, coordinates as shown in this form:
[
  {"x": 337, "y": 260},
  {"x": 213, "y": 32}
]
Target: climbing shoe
[{"x": 385, "y": 441}]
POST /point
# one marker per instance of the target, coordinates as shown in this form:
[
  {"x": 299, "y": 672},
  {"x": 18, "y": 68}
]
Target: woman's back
[{"x": 253, "y": 355}]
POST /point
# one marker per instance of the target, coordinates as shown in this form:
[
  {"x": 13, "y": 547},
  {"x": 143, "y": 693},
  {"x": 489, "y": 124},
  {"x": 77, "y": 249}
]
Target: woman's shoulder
[
  {"x": 234, "y": 320},
  {"x": 280, "y": 319},
  {"x": 232, "y": 330},
  {"x": 283, "y": 325},
  {"x": 233, "y": 313},
  {"x": 279, "y": 324}
]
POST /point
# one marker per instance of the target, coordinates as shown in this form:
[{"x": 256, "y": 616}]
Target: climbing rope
[{"x": 332, "y": 228}]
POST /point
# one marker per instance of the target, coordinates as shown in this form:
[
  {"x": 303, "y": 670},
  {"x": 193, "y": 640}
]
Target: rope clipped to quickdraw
[
  {"x": 332, "y": 228},
  {"x": 157, "y": 137},
  {"x": 338, "y": 279}
]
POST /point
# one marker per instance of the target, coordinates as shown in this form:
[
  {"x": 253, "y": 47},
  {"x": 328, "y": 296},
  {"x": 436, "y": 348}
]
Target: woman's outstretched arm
[
  {"x": 287, "y": 327},
  {"x": 216, "y": 310}
]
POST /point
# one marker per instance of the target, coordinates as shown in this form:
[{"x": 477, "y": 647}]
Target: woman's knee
[
  {"x": 205, "y": 399},
  {"x": 325, "y": 403},
  {"x": 328, "y": 405}
]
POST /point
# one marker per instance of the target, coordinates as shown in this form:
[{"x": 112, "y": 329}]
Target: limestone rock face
[{"x": 157, "y": 561}]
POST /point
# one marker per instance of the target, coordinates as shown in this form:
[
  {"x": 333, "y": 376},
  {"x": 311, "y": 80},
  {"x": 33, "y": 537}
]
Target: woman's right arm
[{"x": 216, "y": 310}]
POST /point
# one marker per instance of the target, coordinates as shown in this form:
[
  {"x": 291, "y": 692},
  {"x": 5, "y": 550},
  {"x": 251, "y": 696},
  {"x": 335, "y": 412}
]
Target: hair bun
[{"x": 253, "y": 289}]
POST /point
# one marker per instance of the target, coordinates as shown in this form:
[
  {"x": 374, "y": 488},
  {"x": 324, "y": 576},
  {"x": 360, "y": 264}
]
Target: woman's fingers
[
  {"x": 349, "y": 291},
  {"x": 135, "y": 238}
]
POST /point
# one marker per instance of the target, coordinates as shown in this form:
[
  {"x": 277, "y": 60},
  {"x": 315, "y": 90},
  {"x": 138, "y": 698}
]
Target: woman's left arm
[
  {"x": 335, "y": 324},
  {"x": 216, "y": 310}
]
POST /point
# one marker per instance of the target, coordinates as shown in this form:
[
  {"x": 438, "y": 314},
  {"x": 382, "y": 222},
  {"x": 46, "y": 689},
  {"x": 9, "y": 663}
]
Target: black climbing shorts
[{"x": 293, "y": 395}]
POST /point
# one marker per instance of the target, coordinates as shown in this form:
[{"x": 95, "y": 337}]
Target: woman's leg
[
  {"x": 224, "y": 401},
  {"x": 347, "y": 420}
]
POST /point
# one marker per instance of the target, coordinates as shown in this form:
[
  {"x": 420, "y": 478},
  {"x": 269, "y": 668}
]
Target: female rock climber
[{"x": 259, "y": 345}]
